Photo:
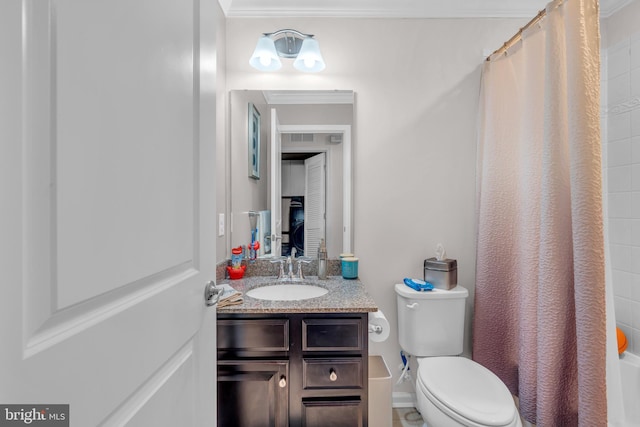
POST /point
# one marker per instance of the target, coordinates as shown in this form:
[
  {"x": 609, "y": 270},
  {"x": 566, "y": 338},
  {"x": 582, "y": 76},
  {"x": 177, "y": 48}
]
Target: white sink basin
[{"x": 287, "y": 292}]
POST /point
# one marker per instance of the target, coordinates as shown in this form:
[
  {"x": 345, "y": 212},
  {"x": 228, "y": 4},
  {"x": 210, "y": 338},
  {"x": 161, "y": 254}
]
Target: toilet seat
[{"x": 466, "y": 391}]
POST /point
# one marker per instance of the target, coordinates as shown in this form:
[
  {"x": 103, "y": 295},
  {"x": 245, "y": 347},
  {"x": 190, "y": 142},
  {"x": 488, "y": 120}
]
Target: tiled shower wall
[{"x": 622, "y": 160}]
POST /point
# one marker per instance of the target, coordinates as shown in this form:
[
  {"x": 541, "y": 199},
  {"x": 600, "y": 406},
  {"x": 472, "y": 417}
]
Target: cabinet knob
[
  {"x": 283, "y": 382},
  {"x": 332, "y": 375}
]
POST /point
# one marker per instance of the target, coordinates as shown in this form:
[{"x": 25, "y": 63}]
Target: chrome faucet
[
  {"x": 290, "y": 262},
  {"x": 290, "y": 275}
]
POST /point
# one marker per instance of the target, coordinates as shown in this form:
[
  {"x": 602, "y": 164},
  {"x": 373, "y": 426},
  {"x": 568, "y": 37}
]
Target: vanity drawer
[
  {"x": 334, "y": 413},
  {"x": 332, "y": 335},
  {"x": 344, "y": 372},
  {"x": 253, "y": 334}
]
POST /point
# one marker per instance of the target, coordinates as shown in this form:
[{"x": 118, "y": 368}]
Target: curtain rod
[{"x": 517, "y": 36}]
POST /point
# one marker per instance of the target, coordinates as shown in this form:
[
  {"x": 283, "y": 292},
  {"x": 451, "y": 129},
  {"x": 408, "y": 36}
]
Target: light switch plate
[{"x": 220, "y": 224}]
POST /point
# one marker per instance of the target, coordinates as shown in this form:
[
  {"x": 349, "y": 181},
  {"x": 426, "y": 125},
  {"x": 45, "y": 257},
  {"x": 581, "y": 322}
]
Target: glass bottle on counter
[{"x": 322, "y": 260}]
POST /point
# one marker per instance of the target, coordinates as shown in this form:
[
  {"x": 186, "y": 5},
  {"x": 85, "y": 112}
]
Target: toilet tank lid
[{"x": 407, "y": 292}]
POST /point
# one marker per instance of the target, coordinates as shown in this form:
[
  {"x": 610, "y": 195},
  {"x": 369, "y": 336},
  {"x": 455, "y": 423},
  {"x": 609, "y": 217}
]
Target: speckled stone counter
[{"x": 344, "y": 296}]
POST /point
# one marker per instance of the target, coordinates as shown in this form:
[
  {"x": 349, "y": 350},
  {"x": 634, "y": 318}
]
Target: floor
[{"x": 406, "y": 417}]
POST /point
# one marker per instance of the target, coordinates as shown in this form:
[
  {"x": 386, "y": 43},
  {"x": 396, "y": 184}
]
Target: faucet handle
[
  {"x": 279, "y": 260},
  {"x": 302, "y": 260}
]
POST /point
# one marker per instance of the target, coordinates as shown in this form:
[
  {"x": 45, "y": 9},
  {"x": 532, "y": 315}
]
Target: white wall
[
  {"x": 621, "y": 50},
  {"x": 417, "y": 84}
]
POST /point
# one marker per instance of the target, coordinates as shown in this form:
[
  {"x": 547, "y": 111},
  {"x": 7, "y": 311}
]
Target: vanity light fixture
[{"x": 291, "y": 44}]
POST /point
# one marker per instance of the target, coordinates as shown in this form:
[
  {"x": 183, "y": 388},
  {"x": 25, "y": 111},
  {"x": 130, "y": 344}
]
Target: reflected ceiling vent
[{"x": 301, "y": 137}]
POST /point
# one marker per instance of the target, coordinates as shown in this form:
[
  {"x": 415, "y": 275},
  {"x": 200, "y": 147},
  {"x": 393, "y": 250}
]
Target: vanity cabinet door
[
  {"x": 253, "y": 393},
  {"x": 322, "y": 359}
]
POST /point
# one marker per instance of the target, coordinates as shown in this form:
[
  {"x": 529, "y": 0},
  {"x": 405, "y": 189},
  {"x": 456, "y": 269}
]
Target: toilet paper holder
[
  {"x": 378, "y": 326},
  {"x": 375, "y": 329}
]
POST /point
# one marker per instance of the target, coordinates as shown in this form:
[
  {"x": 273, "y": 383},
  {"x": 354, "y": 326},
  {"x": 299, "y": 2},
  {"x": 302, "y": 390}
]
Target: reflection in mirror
[{"x": 304, "y": 190}]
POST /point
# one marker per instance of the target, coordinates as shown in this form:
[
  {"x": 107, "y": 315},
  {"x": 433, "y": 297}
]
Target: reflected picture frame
[{"x": 254, "y": 142}]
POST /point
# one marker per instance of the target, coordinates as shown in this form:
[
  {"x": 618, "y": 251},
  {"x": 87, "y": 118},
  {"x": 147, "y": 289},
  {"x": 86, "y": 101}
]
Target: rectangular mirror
[{"x": 304, "y": 191}]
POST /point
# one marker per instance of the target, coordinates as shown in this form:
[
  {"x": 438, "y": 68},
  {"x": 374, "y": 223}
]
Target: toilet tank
[{"x": 431, "y": 323}]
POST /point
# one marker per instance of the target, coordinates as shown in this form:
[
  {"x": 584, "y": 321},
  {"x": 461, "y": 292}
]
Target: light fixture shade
[
  {"x": 309, "y": 59},
  {"x": 265, "y": 57}
]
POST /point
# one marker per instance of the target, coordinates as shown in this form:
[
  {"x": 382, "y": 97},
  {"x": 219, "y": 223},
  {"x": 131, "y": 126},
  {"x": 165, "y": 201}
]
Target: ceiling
[{"x": 397, "y": 8}]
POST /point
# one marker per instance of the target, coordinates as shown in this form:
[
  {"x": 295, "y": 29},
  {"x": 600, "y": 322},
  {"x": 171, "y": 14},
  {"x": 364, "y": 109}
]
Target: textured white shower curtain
[{"x": 539, "y": 320}]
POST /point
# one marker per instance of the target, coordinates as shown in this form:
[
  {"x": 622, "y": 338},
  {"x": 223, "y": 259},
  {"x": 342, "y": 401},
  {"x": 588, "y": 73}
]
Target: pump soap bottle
[{"x": 322, "y": 260}]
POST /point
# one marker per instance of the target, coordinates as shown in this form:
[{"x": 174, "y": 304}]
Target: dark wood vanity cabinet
[
  {"x": 253, "y": 393},
  {"x": 292, "y": 370}
]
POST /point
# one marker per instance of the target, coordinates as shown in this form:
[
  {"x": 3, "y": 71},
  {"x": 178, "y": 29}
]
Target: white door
[
  {"x": 108, "y": 205},
  {"x": 276, "y": 185},
  {"x": 314, "y": 203}
]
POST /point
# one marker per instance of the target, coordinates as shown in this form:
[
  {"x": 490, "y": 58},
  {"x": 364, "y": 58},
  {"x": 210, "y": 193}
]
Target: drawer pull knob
[
  {"x": 283, "y": 382},
  {"x": 332, "y": 375}
]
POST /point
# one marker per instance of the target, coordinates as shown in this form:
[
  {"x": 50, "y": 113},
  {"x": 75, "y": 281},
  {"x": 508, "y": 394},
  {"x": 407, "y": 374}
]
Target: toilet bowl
[
  {"x": 455, "y": 391},
  {"x": 451, "y": 390}
]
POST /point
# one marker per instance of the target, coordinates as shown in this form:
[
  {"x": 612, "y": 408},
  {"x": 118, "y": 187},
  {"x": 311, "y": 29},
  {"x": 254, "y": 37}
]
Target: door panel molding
[
  {"x": 147, "y": 391},
  {"x": 68, "y": 322}
]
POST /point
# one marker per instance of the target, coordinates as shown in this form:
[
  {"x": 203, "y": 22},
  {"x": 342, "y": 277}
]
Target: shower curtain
[{"x": 539, "y": 318}]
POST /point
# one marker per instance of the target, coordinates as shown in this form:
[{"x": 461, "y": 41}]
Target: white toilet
[{"x": 451, "y": 390}]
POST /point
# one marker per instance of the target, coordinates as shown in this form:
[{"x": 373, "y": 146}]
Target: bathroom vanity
[{"x": 295, "y": 363}]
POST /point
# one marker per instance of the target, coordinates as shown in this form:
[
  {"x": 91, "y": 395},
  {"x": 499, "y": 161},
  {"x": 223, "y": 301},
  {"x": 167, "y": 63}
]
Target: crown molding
[
  {"x": 384, "y": 8},
  {"x": 397, "y": 8},
  {"x": 380, "y": 13}
]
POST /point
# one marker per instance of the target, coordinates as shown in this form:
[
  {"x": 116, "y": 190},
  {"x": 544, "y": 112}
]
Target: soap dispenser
[{"x": 322, "y": 260}]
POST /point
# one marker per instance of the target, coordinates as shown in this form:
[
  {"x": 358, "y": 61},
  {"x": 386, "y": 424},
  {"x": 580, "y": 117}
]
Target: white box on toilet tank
[{"x": 431, "y": 323}]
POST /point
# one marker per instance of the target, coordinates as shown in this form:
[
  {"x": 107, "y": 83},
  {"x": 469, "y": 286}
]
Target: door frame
[{"x": 347, "y": 170}]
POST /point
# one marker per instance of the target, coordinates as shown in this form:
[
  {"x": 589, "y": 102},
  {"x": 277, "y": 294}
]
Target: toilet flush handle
[{"x": 412, "y": 306}]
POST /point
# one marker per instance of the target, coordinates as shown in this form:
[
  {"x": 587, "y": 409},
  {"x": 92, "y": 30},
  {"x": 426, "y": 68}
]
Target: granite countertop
[{"x": 345, "y": 296}]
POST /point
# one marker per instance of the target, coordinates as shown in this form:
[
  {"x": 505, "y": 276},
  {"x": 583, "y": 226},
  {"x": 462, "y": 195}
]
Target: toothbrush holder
[{"x": 350, "y": 267}]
